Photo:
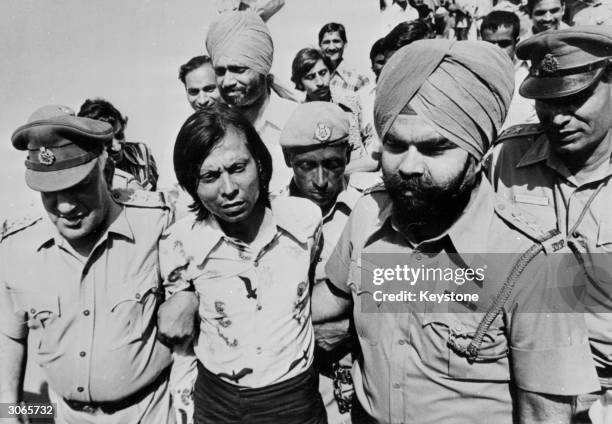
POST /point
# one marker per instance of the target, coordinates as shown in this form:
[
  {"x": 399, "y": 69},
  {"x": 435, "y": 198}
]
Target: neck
[
  {"x": 85, "y": 245},
  {"x": 335, "y": 65},
  {"x": 245, "y": 230},
  {"x": 583, "y": 164},
  {"x": 255, "y": 111}
]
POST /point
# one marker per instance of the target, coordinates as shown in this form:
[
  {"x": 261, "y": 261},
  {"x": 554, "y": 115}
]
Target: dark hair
[
  {"x": 303, "y": 62},
  {"x": 200, "y": 134},
  {"x": 405, "y": 33},
  {"x": 531, "y": 4},
  {"x": 103, "y": 110},
  {"x": 377, "y": 48},
  {"x": 191, "y": 65},
  {"x": 332, "y": 27},
  {"x": 501, "y": 18}
]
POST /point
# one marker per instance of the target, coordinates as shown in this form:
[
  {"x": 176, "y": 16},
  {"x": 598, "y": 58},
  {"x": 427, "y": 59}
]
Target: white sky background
[{"x": 129, "y": 51}]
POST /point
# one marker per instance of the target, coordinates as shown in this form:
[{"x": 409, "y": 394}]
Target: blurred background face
[
  {"x": 316, "y": 82},
  {"x": 502, "y": 37},
  {"x": 319, "y": 174},
  {"x": 229, "y": 179},
  {"x": 547, "y": 14},
  {"x": 239, "y": 85},
  {"x": 577, "y": 124},
  {"x": 332, "y": 46},
  {"x": 201, "y": 87},
  {"x": 78, "y": 211}
]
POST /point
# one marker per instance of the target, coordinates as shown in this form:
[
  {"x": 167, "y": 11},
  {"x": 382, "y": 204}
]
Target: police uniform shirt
[
  {"x": 409, "y": 373},
  {"x": 93, "y": 320},
  {"x": 527, "y": 173},
  {"x": 255, "y": 324}
]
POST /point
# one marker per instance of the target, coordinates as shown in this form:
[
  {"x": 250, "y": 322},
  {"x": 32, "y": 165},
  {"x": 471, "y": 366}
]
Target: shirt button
[
  {"x": 86, "y": 312},
  {"x": 80, "y": 389},
  {"x": 256, "y": 263},
  {"x": 396, "y": 385},
  {"x": 401, "y": 341},
  {"x": 259, "y": 307},
  {"x": 137, "y": 296},
  {"x": 32, "y": 311},
  {"x": 82, "y": 354},
  {"x": 418, "y": 257}
]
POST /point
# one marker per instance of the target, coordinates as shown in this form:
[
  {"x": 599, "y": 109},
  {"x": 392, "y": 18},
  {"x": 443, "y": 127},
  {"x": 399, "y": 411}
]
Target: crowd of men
[{"x": 246, "y": 287}]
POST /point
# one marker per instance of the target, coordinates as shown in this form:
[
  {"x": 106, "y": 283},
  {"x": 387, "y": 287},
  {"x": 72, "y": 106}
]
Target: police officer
[
  {"x": 83, "y": 282},
  {"x": 455, "y": 362},
  {"x": 560, "y": 172},
  {"x": 316, "y": 146}
]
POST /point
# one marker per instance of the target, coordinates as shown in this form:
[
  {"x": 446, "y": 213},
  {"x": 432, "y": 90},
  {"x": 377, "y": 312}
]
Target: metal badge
[
  {"x": 46, "y": 156},
  {"x": 549, "y": 64},
  {"x": 322, "y": 133}
]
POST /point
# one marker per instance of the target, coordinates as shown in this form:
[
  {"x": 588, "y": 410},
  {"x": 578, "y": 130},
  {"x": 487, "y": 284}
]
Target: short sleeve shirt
[
  {"x": 255, "y": 322},
  {"x": 93, "y": 320},
  {"x": 527, "y": 173},
  {"x": 409, "y": 371}
]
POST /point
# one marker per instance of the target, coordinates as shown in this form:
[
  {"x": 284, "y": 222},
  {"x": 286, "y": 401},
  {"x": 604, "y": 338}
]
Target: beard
[{"x": 419, "y": 202}]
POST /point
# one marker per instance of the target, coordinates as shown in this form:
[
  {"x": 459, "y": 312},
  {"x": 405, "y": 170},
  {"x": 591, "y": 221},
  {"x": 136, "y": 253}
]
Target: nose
[
  {"x": 412, "y": 163},
  {"x": 320, "y": 182},
  {"x": 229, "y": 79},
  {"x": 64, "y": 202},
  {"x": 319, "y": 82},
  {"x": 229, "y": 189}
]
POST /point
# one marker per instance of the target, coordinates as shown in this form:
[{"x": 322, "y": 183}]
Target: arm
[
  {"x": 329, "y": 303},
  {"x": 12, "y": 368},
  {"x": 177, "y": 318},
  {"x": 541, "y": 408}
]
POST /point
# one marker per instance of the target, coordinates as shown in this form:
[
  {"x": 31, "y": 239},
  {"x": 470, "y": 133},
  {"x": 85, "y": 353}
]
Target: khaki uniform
[
  {"x": 528, "y": 174},
  {"x": 411, "y": 369},
  {"x": 93, "y": 320}
]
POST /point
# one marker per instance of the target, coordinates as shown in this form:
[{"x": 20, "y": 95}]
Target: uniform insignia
[
  {"x": 46, "y": 156},
  {"x": 12, "y": 226},
  {"x": 549, "y": 64},
  {"x": 322, "y": 133},
  {"x": 521, "y": 130},
  {"x": 140, "y": 198}
]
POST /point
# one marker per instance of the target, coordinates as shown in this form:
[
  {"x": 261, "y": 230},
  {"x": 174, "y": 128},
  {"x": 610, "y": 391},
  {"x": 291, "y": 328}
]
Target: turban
[
  {"x": 461, "y": 89},
  {"x": 242, "y": 38}
]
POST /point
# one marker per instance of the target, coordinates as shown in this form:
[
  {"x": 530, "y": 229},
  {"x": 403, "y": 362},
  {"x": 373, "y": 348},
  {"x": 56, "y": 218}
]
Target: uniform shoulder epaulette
[
  {"x": 140, "y": 198},
  {"x": 521, "y": 130},
  {"x": 14, "y": 225},
  {"x": 375, "y": 188},
  {"x": 528, "y": 225}
]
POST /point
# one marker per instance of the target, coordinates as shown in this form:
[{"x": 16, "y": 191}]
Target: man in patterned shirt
[{"x": 332, "y": 41}]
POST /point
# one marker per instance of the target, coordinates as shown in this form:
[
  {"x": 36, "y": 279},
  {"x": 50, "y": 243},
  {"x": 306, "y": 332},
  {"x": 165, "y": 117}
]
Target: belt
[{"x": 112, "y": 407}]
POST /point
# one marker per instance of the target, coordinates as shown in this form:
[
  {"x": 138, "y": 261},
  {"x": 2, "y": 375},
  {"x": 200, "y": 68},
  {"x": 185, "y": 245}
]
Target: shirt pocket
[
  {"x": 43, "y": 317},
  {"x": 130, "y": 313},
  {"x": 446, "y": 333}
]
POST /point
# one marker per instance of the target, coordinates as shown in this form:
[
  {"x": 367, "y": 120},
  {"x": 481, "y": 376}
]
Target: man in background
[{"x": 198, "y": 77}]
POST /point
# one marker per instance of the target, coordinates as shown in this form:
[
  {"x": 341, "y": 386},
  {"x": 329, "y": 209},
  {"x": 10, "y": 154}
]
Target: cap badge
[
  {"x": 322, "y": 133},
  {"x": 549, "y": 64},
  {"x": 46, "y": 156}
]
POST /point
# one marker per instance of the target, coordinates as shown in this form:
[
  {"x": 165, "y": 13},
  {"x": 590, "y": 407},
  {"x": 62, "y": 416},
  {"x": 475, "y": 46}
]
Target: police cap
[
  {"x": 62, "y": 148},
  {"x": 315, "y": 124},
  {"x": 565, "y": 61}
]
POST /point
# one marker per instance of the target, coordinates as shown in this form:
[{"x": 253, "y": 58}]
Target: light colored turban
[
  {"x": 461, "y": 88},
  {"x": 242, "y": 38}
]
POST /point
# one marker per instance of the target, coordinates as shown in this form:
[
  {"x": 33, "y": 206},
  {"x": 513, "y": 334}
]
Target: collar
[
  {"x": 275, "y": 113},
  {"x": 120, "y": 227},
  {"x": 539, "y": 151},
  {"x": 131, "y": 153},
  {"x": 208, "y": 233}
]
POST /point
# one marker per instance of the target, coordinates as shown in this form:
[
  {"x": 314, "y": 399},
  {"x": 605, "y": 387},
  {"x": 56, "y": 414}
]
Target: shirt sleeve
[
  {"x": 174, "y": 264},
  {"x": 549, "y": 338},
  {"x": 12, "y": 323}
]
